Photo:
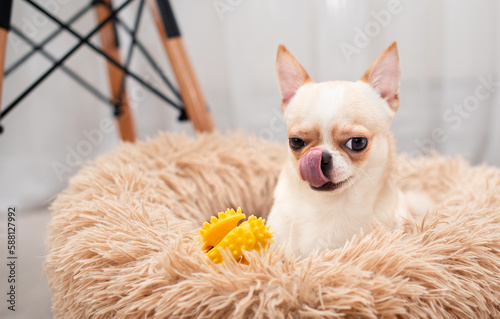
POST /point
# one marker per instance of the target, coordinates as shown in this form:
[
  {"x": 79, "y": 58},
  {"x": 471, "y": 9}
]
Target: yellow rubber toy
[{"x": 223, "y": 234}]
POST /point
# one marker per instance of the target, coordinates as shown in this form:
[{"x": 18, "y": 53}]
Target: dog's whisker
[{"x": 367, "y": 176}]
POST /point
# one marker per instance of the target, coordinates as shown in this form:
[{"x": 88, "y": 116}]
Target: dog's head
[{"x": 339, "y": 131}]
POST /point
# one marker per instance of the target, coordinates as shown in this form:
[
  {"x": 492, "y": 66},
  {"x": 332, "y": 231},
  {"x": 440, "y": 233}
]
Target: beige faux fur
[{"x": 121, "y": 241}]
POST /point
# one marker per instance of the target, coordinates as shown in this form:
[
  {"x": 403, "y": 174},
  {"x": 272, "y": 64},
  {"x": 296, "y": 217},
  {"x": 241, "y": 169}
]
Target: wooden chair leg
[
  {"x": 189, "y": 87},
  {"x": 110, "y": 46},
  {"x": 3, "y": 49},
  {"x": 5, "y": 14}
]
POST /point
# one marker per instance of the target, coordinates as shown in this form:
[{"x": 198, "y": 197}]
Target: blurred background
[{"x": 449, "y": 53}]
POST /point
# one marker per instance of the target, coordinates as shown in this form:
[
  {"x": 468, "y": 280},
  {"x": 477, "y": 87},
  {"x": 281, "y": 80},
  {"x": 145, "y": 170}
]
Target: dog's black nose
[{"x": 326, "y": 159}]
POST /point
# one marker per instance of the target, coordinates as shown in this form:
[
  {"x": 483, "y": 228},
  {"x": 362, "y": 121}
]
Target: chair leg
[
  {"x": 5, "y": 15},
  {"x": 189, "y": 87},
  {"x": 110, "y": 46},
  {"x": 3, "y": 49}
]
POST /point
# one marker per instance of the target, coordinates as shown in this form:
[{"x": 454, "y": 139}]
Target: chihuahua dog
[{"x": 337, "y": 179}]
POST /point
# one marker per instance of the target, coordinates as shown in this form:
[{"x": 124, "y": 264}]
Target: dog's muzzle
[{"x": 314, "y": 166}]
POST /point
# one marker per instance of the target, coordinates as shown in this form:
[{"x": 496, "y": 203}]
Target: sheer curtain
[{"x": 448, "y": 51}]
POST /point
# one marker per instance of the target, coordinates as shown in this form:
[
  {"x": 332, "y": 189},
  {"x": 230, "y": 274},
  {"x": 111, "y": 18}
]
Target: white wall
[{"x": 447, "y": 50}]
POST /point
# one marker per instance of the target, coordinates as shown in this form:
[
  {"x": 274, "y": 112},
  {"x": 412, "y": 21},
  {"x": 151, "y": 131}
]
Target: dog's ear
[
  {"x": 384, "y": 76},
  {"x": 291, "y": 75}
]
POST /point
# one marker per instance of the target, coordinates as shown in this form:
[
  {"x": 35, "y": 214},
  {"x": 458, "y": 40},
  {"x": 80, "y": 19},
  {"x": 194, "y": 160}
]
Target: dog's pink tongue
[{"x": 310, "y": 168}]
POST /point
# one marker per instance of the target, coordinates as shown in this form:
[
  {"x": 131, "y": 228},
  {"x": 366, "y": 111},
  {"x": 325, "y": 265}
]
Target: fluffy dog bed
[{"x": 121, "y": 241}]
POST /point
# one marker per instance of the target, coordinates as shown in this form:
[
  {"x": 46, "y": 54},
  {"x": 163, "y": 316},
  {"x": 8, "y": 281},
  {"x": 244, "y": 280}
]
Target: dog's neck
[{"x": 337, "y": 216}]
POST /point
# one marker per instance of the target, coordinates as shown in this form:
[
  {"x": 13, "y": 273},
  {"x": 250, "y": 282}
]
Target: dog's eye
[
  {"x": 296, "y": 143},
  {"x": 357, "y": 144}
]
